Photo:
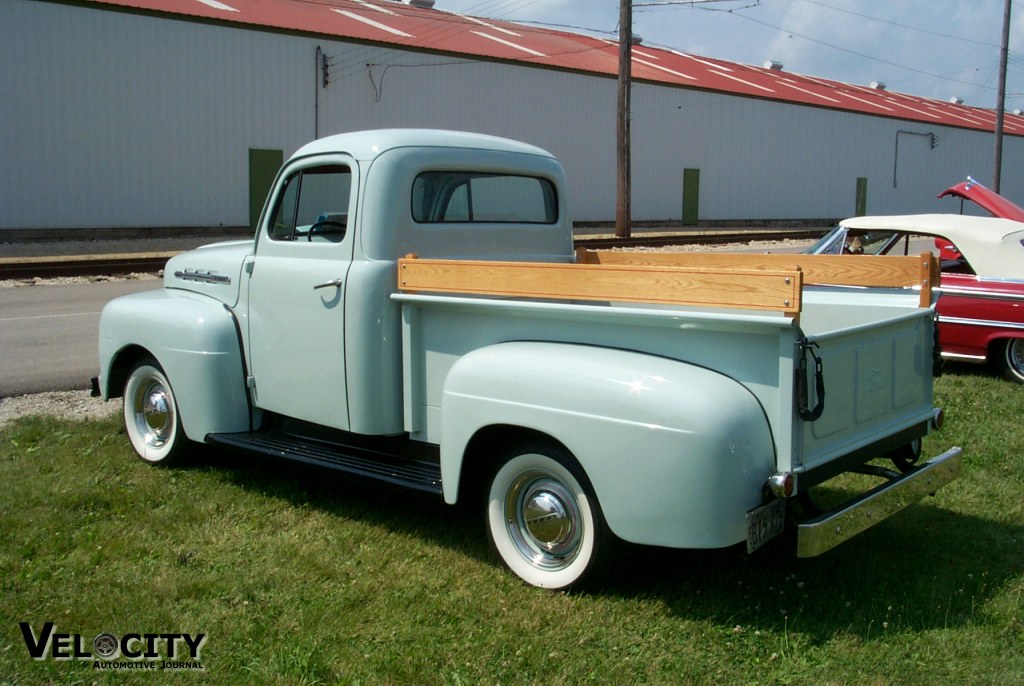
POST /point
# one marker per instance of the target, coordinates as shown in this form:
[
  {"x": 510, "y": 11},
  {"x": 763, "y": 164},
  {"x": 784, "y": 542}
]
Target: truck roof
[{"x": 366, "y": 145}]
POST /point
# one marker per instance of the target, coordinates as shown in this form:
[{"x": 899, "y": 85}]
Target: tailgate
[{"x": 877, "y": 376}]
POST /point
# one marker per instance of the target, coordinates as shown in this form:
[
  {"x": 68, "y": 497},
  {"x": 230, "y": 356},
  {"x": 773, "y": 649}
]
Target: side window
[
  {"x": 313, "y": 205},
  {"x": 283, "y": 226},
  {"x": 481, "y": 197}
]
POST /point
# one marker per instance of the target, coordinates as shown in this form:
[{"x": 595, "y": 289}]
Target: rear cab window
[{"x": 483, "y": 197}]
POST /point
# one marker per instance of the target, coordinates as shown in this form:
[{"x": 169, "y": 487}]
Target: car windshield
[{"x": 843, "y": 241}]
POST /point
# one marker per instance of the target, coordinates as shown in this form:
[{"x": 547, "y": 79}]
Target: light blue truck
[{"x": 411, "y": 310}]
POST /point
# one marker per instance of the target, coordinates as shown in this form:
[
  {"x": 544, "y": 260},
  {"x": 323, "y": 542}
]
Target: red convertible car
[{"x": 981, "y": 307}]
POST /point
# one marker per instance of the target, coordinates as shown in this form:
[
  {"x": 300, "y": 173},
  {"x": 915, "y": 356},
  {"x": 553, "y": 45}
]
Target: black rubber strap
[{"x": 809, "y": 415}]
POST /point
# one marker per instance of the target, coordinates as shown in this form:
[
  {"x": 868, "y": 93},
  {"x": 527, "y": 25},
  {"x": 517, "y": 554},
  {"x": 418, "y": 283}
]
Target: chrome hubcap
[
  {"x": 154, "y": 413},
  {"x": 543, "y": 520}
]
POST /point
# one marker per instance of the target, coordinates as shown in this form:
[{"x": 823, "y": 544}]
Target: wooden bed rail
[
  {"x": 834, "y": 270},
  {"x": 776, "y": 290}
]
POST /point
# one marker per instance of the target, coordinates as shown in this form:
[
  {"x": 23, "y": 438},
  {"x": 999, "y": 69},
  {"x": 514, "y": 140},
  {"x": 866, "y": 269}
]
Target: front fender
[
  {"x": 195, "y": 339},
  {"x": 676, "y": 454}
]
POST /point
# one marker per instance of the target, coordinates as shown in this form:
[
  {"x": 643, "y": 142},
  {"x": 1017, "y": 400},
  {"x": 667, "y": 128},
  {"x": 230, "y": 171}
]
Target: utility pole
[
  {"x": 623, "y": 175},
  {"x": 1001, "y": 97}
]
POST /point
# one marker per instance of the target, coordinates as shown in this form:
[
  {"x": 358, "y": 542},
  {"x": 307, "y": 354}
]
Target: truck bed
[{"x": 749, "y": 317}]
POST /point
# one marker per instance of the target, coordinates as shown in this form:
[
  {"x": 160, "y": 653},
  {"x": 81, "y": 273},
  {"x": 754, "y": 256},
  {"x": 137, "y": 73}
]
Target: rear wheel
[
  {"x": 542, "y": 518},
  {"x": 151, "y": 415},
  {"x": 1010, "y": 359},
  {"x": 906, "y": 456}
]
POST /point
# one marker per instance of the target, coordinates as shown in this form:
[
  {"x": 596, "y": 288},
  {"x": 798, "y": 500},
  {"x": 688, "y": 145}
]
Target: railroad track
[
  {"x": 82, "y": 265},
  {"x": 112, "y": 265}
]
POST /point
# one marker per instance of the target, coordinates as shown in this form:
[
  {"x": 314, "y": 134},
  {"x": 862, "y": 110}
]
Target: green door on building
[
  {"x": 861, "y": 199},
  {"x": 263, "y": 168},
  {"x": 691, "y": 195}
]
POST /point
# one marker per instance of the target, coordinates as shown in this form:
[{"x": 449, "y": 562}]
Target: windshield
[{"x": 841, "y": 241}]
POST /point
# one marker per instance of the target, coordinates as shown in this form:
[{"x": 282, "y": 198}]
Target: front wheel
[
  {"x": 151, "y": 415},
  {"x": 543, "y": 522},
  {"x": 1010, "y": 359}
]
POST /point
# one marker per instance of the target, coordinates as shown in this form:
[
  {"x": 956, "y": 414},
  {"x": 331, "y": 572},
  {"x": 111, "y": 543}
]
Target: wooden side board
[
  {"x": 912, "y": 271},
  {"x": 777, "y": 290}
]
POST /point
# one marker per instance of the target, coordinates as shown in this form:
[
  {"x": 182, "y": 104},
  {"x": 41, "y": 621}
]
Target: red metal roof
[{"x": 396, "y": 24}]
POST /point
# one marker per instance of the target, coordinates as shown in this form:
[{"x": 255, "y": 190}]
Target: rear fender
[
  {"x": 194, "y": 339},
  {"x": 676, "y": 453}
]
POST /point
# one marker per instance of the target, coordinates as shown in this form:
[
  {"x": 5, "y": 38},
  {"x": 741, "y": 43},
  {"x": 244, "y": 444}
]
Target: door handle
[{"x": 327, "y": 284}]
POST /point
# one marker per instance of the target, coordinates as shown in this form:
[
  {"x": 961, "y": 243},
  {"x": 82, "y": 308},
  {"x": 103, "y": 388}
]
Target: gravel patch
[
  {"x": 76, "y": 405},
  {"x": 64, "y": 280},
  {"x": 788, "y": 245}
]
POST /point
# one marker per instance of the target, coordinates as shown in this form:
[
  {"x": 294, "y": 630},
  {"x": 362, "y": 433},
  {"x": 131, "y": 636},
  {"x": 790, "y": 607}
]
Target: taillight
[{"x": 783, "y": 484}]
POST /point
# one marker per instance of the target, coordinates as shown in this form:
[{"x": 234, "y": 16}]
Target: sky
[{"x": 940, "y": 49}]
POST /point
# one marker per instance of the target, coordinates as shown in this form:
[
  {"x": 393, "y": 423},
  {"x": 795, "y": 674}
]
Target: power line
[
  {"x": 900, "y": 25},
  {"x": 1015, "y": 58},
  {"x": 853, "y": 52}
]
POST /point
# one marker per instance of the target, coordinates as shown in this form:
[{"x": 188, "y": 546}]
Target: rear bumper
[{"x": 828, "y": 530}]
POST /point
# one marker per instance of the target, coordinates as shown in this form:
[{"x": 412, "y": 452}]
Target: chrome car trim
[
  {"x": 981, "y": 322},
  {"x": 964, "y": 358},
  {"x": 202, "y": 276},
  {"x": 981, "y": 295},
  {"x": 825, "y": 532},
  {"x": 999, "y": 279}
]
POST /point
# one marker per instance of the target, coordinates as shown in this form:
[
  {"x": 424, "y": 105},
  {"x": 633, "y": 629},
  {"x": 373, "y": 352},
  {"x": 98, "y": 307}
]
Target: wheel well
[
  {"x": 121, "y": 366},
  {"x": 1005, "y": 362},
  {"x": 485, "y": 449},
  {"x": 998, "y": 342}
]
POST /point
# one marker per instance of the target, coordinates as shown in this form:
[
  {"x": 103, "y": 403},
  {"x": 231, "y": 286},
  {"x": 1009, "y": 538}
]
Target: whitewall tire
[
  {"x": 543, "y": 523},
  {"x": 151, "y": 416}
]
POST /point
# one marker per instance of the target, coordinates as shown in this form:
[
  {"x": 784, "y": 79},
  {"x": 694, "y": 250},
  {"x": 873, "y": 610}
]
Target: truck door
[{"x": 296, "y": 299}]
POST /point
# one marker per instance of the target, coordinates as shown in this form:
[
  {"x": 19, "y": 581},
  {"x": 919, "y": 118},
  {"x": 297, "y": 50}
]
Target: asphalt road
[{"x": 48, "y": 334}]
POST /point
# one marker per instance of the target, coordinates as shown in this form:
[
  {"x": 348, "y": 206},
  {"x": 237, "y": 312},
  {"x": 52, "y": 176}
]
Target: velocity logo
[{"x": 140, "y": 651}]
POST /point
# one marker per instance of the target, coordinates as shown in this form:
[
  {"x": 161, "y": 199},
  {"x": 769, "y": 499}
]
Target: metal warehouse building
[{"x": 177, "y": 113}]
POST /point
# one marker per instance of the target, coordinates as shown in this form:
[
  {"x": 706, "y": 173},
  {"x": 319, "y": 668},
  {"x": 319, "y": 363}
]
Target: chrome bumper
[{"x": 828, "y": 530}]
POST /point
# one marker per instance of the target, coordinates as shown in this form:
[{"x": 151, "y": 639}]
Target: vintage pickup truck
[{"x": 411, "y": 310}]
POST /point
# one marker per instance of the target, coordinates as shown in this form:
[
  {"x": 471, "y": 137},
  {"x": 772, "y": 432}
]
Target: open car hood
[{"x": 986, "y": 199}]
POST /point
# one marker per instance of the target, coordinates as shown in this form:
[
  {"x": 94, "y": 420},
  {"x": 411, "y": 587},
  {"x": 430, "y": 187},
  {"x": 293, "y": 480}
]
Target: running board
[{"x": 366, "y": 462}]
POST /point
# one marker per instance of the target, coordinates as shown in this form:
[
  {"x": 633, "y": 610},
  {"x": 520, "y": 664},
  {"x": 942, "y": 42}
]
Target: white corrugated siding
[
  {"x": 113, "y": 119},
  {"x": 119, "y": 119}
]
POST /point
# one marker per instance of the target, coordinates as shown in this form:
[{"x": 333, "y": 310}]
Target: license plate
[{"x": 765, "y": 523}]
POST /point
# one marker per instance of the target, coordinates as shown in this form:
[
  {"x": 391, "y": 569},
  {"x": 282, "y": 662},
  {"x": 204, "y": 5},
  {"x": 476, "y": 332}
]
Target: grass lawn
[{"x": 297, "y": 577}]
